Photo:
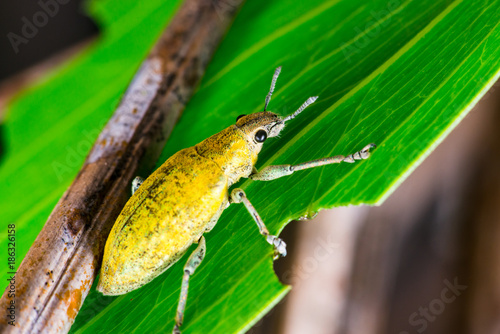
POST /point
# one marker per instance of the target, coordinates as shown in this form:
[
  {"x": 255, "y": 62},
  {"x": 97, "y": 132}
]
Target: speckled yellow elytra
[{"x": 185, "y": 197}]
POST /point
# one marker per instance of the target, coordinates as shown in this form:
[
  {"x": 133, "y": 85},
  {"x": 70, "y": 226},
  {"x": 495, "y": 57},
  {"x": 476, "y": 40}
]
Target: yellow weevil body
[{"x": 185, "y": 197}]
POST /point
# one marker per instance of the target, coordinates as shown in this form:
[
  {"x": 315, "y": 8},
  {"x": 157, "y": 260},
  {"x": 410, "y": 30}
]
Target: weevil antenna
[
  {"x": 302, "y": 107},
  {"x": 273, "y": 83}
]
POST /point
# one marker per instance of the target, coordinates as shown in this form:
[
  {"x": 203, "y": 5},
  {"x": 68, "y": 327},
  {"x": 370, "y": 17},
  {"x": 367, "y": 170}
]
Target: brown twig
[{"x": 57, "y": 273}]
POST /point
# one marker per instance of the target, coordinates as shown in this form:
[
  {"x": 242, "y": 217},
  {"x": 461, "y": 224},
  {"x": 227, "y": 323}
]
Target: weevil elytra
[{"x": 184, "y": 198}]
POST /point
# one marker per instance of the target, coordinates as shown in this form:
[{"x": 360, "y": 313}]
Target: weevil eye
[
  {"x": 240, "y": 116},
  {"x": 260, "y": 136}
]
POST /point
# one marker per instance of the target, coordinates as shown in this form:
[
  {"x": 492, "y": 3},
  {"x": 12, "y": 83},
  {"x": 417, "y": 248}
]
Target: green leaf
[{"x": 400, "y": 74}]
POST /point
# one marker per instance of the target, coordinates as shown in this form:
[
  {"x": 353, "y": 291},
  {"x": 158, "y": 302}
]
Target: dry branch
[{"x": 57, "y": 273}]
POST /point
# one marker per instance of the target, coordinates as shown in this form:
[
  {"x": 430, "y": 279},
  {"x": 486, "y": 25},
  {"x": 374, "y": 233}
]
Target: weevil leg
[
  {"x": 192, "y": 263},
  {"x": 239, "y": 196},
  {"x": 136, "y": 183},
  {"x": 277, "y": 171}
]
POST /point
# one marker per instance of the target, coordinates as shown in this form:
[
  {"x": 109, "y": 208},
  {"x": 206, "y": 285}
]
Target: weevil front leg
[
  {"x": 239, "y": 196},
  {"x": 192, "y": 263},
  {"x": 136, "y": 183},
  {"x": 277, "y": 171}
]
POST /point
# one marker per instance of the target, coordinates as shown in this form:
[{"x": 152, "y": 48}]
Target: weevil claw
[
  {"x": 279, "y": 246},
  {"x": 365, "y": 152}
]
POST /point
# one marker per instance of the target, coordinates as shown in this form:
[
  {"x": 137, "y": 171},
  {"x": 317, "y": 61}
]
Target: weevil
[{"x": 184, "y": 198}]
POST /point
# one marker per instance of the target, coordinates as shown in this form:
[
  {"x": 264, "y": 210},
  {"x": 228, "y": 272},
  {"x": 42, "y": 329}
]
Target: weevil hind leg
[
  {"x": 273, "y": 172},
  {"x": 239, "y": 196},
  {"x": 136, "y": 183},
  {"x": 192, "y": 263}
]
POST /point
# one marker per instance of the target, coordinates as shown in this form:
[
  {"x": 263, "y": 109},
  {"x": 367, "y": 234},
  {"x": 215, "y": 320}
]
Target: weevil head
[{"x": 260, "y": 126}]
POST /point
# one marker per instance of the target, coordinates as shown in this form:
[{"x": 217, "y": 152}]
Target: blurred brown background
[{"x": 423, "y": 262}]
